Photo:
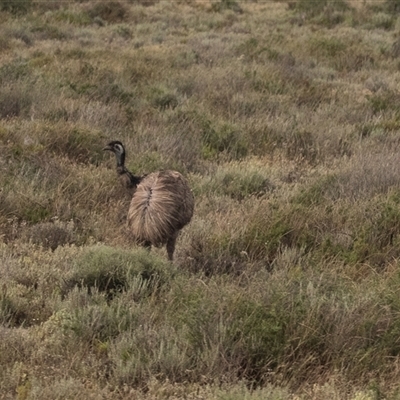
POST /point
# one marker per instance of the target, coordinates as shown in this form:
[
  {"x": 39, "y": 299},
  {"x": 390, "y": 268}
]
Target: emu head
[{"x": 119, "y": 150}]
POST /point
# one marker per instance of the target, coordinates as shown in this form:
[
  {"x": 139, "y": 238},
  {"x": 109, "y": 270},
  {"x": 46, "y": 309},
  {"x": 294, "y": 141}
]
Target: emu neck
[
  {"x": 120, "y": 161},
  {"x": 127, "y": 178}
]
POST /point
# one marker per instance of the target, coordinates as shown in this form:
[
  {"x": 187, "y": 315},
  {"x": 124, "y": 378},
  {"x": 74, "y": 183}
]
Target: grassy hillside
[{"x": 285, "y": 118}]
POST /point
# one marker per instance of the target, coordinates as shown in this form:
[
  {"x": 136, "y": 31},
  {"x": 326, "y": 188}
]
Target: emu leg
[
  {"x": 171, "y": 246},
  {"x": 147, "y": 245}
]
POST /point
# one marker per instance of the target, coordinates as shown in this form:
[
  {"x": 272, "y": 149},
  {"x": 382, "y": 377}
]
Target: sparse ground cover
[{"x": 284, "y": 117}]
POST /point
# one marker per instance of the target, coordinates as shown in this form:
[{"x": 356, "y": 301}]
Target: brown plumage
[{"x": 162, "y": 203}]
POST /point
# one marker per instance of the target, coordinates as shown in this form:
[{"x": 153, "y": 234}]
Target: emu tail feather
[{"x": 161, "y": 205}]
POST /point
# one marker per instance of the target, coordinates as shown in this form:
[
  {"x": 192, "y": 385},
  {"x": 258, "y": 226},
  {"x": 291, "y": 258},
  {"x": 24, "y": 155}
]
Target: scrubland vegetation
[{"x": 284, "y": 116}]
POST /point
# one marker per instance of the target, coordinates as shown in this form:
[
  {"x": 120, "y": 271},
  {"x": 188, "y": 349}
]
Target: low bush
[
  {"x": 222, "y": 5},
  {"x": 235, "y": 181},
  {"x": 16, "y": 7},
  {"x": 111, "y": 11},
  {"x": 112, "y": 271},
  {"x": 322, "y": 12}
]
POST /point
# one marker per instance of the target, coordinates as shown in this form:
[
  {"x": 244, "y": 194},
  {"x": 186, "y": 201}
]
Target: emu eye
[{"x": 118, "y": 148}]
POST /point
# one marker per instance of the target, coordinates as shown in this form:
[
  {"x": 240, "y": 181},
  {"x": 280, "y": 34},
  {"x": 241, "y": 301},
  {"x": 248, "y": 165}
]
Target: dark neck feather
[{"x": 127, "y": 178}]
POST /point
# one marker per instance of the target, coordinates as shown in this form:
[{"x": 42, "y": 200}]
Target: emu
[{"x": 162, "y": 203}]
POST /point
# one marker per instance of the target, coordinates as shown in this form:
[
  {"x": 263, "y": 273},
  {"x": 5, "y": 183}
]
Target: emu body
[{"x": 162, "y": 203}]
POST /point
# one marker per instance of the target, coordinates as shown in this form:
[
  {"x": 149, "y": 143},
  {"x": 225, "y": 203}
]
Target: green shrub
[
  {"x": 326, "y": 13},
  {"x": 45, "y": 31},
  {"x": 163, "y": 99},
  {"x": 319, "y": 192},
  {"x": 383, "y": 101},
  {"x": 315, "y": 8},
  {"x": 223, "y": 138},
  {"x": 329, "y": 47},
  {"x": 101, "y": 85},
  {"x": 393, "y": 6},
  {"x": 113, "y": 271},
  {"x": 380, "y": 234},
  {"x": 252, "y": 49},
  {"x": 236, "y": 181},
  {"x": 71, "y": 17},
  {"x": 15, "y": 6},
  {"x": 99, "y": 322},
  {"x": 109, "y": 11},
  {"x": 147, "y": 350},
  {"x": 256, "y": 334},
  {"x": 35, "y": 212},
  {"x": 9, "y": 313},
  {"x": 383, "y": 21},
  {"x": 14, "y": 70},
  {"x": 123, "y": 30},
  {"x": 222, "y": 5}
]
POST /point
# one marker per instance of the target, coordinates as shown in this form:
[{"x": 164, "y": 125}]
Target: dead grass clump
[
  {"x": 365, "y": 175},
  {"x": 203, "y": 136},
  {"x": 21, "y": 33},
  {"x": 235, "y": 181},
  {"x": 375, "y": 16},
  {"x": 208, "y": 245},
  {"x": 253, "y": 49},
  {"x": 50, "y": 234},
  {"x": 344, "y": 54},
  {"x": 46, "y": 31},
  {"x": 10, "y": 314},
  {"x": 221, "y": 5},
  {"x": 101, "y": 85},
  {"x": 301, "y": 146},
  {"x": 392, "y": 6},
  {"x": 110, "y": 12},
  {"x": 382, "y": 101},
  {"x": 26, "y": 203},
  {"x": 15, "y": 101},
  {"x": 324, "y": 12},
  {"x": 144, "y": 3},
  {"x": 253, "y": 235},
  {"x": 48, "y": 6},
  {"x": 222, "y": 138},
  {"x": 74, "y": 17},
  {"x": 14, "y": 70},
  {"x": 16, "y": 7},
  {"x": 78, "y": 144},
  {"x": 180, "y": 145},
  {"x": 137, "y": 354},
  {"x": 163, "y": 98},
  {"x": 329, "y": 47}
]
